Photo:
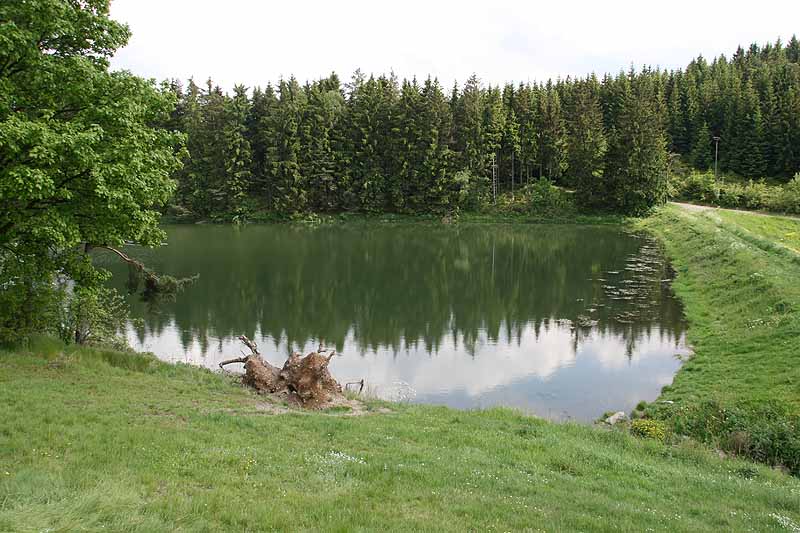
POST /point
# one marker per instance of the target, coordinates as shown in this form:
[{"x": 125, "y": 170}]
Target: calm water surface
[{"x": 561, "y": 321}]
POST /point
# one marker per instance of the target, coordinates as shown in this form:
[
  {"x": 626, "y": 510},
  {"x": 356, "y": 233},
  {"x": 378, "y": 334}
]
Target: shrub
[
  {"x": 648, "y": 428},
  {"x": 471, "y": 192},
  {"x": 788, "y": 201},
  {"x": 731, "y": 195},
  {"x": 94, "y": 315},
  {"x": 704, "y": 188},
  {"x": 30, "y": 298},
  {"x": 697, "y": 187},
  {"x": 754, "y": 195},
  {"x": 547, "y": 199},
  {"x": 768, "y": 433},
  {"x": 540, "y": 198}
]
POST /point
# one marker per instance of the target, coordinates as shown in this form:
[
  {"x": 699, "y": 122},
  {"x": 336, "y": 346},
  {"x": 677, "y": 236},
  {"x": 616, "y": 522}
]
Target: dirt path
[
  {"x": 693, "y": 207},
  {"x": 696, "y": 208}
]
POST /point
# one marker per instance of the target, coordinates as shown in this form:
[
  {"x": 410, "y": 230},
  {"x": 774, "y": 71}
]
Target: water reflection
[{"x": 562, "y": 321}]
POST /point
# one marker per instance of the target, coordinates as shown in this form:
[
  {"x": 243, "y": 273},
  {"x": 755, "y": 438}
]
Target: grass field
[
  {"x": 781, "y": 230},
  {"x": 107, "y": 441},
  {"x": 738, "y": 277}
]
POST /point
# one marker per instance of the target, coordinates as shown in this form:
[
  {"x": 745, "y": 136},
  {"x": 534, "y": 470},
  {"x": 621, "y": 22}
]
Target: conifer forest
[{"x": 380, "y": 144}]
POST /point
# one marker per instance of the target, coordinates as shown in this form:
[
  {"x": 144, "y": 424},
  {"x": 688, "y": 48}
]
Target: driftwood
[{"x": 303, "y": 380}]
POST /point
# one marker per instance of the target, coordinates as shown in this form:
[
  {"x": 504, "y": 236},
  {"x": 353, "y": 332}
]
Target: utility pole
[
  {"x": 717, "y": 183},
  {"x": 494, "y": 179},
  {"x": 512, "y": 173}
]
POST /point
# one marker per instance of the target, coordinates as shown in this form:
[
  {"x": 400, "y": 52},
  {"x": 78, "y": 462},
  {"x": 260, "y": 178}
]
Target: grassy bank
[
  {"x": 497, "y": 216},
  {"x": 737, "y": 275},
  {"x": 99, "y": 440}
]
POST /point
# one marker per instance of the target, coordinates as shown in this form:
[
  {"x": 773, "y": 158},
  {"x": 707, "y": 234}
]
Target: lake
[{"x": 561, "y": 321}]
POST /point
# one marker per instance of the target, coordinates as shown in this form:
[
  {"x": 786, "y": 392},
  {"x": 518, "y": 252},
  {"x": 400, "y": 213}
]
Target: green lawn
[
  {"x": 782, "y": 230},
  {"x": 738, "y": 277},
  {"x": 105, "y": 441}
]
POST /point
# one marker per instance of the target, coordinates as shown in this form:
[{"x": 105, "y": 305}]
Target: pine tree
[
  {"x": 494, "y": 126},
  {"x": 636, "y": 173},
  {"x": 676, "y": 121},
  {"x": 525, "y": 110},
  {"x": 290, "y": 195},
  {"x": 238, "y": 157},
  {"x": 744, "y": 150},
  {"x": 325, "y": 105},
  {"x": 587, "y": 147},
  {"x": 793, "y": 50},
  {"x": 261, "y": 136},
  {"x": 552, "y": 134},
  {"x": 510, "y": 146},
  {"x": 701, "y": 155},
  {"x": 439, "y": 190},
  {"x": 205, "y": 172},
  {"x": 368, "y": 145},
  {"x": 469, "y": 128},
  {"x": 408, "y": 194}
]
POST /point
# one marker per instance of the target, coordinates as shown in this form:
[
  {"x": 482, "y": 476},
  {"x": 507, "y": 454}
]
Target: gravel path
[{"x": 695, "y": 208}]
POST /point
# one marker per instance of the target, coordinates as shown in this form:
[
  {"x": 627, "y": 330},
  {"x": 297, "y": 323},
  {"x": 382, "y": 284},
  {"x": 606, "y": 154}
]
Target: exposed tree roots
[{"x": 303, "y": 380}]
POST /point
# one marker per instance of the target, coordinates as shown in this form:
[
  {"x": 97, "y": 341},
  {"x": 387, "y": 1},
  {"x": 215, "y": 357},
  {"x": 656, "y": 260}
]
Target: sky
[{"x": 253, "y": 42}]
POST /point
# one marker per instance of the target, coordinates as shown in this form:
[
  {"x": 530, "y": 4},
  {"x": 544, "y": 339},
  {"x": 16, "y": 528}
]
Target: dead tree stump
[{"x": 303, "y": 380}]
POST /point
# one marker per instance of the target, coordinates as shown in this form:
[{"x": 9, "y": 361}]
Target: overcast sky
[{"x": 253, "y": 42}]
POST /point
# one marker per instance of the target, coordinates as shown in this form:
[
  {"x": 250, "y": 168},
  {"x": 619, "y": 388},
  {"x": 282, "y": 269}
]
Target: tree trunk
[{"x": 303, "y": 380}]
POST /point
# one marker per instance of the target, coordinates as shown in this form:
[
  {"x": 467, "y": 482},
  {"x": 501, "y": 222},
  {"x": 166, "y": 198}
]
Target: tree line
[{"x": 380, "y": 144}]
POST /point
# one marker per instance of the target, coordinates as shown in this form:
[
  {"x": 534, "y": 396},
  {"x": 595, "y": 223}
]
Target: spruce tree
[
  {"x": 702, "y": 156},
  {"x": 494, "y": 127},
  {"x": 512, "y": 146},
  {"x": 261, "y": 136},
  {"x": 676, "y": 121},
  {"x": 440, "y": 190},
  {"x": 525, "y": 110},
  {"x": 587, "y": 147},
  {"x": 377, "y": 146},
  {"x": 469, "y": 127},
  {"x": 290, "y": 194},
  {"x": 325, "y": 105},
  {"x": 636, "y": 173},
  {"x": 238, "y": 157},
  {"x": 793, "y": 50},
  {"x": 552, "y": 134}
]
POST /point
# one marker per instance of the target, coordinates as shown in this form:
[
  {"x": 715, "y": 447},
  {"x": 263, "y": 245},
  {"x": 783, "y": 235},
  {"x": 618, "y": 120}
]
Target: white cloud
[
  {"x": 450, "y": 370},
  {"x": 253, "y": 42}
]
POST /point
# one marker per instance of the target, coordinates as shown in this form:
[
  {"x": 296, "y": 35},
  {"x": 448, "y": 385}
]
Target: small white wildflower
[{"x": 786, "y": 522}]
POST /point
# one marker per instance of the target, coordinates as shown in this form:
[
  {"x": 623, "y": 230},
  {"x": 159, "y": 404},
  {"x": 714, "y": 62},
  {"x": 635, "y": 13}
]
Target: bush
[
  {"x": 471, "y": 192},
  {"x": 758, "y": 195},
  {"x": 30, "y": 298},
  {"x": 696, "y": 187},
  {"x": 789, "y": 199},
  {"x": 648, "y": 428},
  {"x": 540, "y": 198},
  {"x": 754, "y": 195},
  {"x": 547, "y": 199},
  {"x": 94, "y": 315},
  {"x": 768, "y": 433}
]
